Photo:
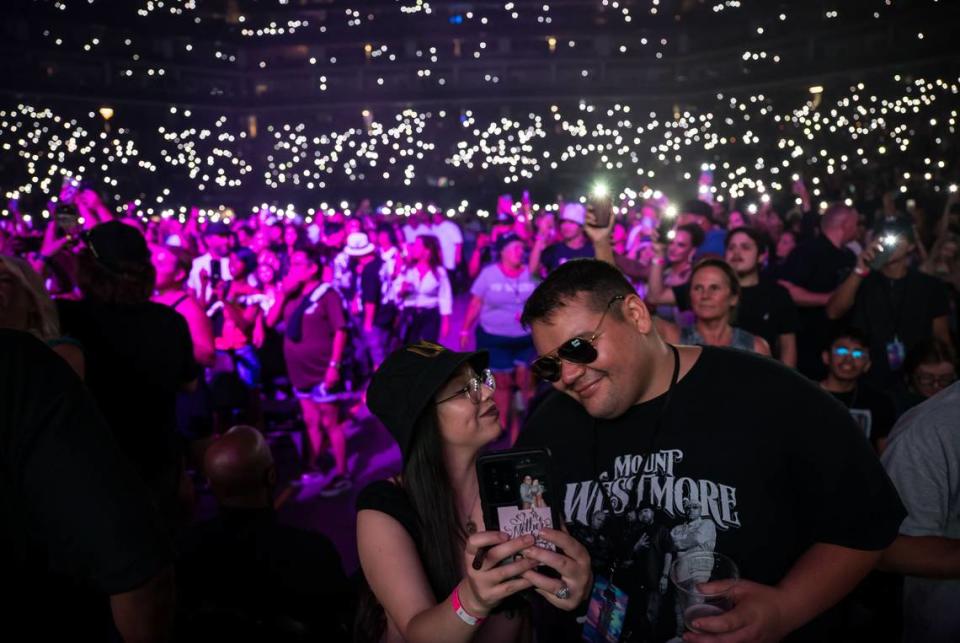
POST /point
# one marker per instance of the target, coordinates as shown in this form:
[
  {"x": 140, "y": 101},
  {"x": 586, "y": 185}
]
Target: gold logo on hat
[{"x": 426, "y": 349}]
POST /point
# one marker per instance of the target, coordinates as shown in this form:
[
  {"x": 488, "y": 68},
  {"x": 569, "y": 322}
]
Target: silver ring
[{"x": 563, "y": 593}]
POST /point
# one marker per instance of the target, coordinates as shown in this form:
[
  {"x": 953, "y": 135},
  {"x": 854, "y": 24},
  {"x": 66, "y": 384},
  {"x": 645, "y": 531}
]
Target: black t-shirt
[
  {"x": 886, "y": 309},
  {"x": 818, "y": 266},
  {"x": 774, "y": 463},
  {"x": 77, "y": 522},
  {"x": 138, "y": 358},
  {"x": 873, "y": 410},
  {"x": 765, "y": 310},
  {"x": 371, "y": 291},
  {"x": 560, "y": 253},
  {"x": 245, "y": 561}
]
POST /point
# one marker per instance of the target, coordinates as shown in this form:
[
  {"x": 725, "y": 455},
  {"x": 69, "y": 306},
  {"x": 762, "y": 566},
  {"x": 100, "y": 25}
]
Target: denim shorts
[{"x": 506, "y": 353}]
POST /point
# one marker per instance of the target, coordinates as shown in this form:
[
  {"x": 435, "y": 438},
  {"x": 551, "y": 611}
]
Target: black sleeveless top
[{"x": 388, "y": 498}]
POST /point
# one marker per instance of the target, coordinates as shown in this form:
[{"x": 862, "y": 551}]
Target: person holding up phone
[
  {"x": 433, "y": 572},
  {"x": 892, "y": 303}
]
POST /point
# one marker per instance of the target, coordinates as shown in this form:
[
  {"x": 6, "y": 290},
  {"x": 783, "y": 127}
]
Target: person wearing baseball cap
[
  {"x": 139, "y": 354},
  {"x": 212, "y": 267},
  {"x": 573, "y": 243},
  {"x": 498, "y": 295},
  {"x": 429, "y": 567}
]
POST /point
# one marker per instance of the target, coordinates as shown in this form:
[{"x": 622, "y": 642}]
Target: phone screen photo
[{"x": 517, "y": 493}]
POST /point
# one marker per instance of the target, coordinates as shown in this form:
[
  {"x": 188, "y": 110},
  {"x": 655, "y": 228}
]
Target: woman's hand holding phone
[
  {"x": 483, "y": 589},
  {"x": 573, "y": 565}
]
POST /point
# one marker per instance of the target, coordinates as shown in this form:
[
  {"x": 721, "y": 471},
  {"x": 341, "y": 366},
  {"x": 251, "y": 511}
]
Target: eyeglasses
[
  {"x": 842, "y": 351},
  {"x": 577, "y": 350},
  {"x": 473, "y": 387},
  {"x": 926, "y": 379}
]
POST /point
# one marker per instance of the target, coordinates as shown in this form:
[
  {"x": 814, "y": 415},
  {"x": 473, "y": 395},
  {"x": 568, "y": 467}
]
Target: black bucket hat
[
  {"x": 115, "y": 244},
  {"x": 408, "y": 379}
]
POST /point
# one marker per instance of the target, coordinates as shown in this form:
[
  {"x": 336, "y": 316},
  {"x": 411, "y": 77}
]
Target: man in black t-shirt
[
  {"x": 574, "y": 243},
  {"x": 811, "y": 274},
  {"x": 895, "y": 306},
  {"x": 797, "y": 499},
  {"x": 77, "y": 524},
  {"x": 847, "y": 360},
  {"x": 270, "y": 577}
]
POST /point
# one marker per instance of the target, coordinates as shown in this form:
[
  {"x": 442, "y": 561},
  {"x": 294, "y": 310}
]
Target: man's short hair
[
  {"x": 696, "y": 233},
  {"x": 598, "y": 281},
  {"x": 835, "y": 214},
  {"x": 698, "y": 208},
  {"x": 755, "y": 235}
]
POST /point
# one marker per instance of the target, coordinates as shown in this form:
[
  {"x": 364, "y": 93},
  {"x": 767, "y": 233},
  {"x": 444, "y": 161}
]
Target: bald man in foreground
[{"x": 266, "y": 578}]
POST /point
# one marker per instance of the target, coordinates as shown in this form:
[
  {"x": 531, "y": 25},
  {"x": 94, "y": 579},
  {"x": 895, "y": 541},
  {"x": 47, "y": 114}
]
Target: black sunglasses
[{"x": 578, "y": 350}]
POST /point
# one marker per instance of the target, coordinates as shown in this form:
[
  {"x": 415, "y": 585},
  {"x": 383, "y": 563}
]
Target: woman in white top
[{"x": 425, "y": 291}]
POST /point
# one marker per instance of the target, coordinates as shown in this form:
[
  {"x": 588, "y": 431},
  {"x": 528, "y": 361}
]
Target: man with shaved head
[
  {"x": 254, "y": 574},
  {"x": 811, "y": 274},
  {"x": 240, "y": 468}
]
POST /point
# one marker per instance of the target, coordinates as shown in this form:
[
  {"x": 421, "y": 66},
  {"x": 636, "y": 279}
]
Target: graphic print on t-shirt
[{"x": 654, "y": 517}]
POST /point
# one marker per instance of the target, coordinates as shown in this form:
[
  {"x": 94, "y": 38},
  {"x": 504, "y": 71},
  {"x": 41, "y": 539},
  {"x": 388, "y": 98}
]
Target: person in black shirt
[
  {"x": 375, "y": 326},
  {"x": 811, "y": 274},
  {"x": 848, "y": 359},
  {"x": 245, "y": 570},
  {"x": 574, "y": 243},
  {"x": 765, "y": 308},
  {"x": 77, "y": 522},
  {"x": 896, "y": 307},
  {"x": 139, "y": 354},
  {"x": 797, "y": 499}
]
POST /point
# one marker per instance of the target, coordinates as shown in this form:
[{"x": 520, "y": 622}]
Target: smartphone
[
  {"x": 69, "y": 189},
  {"x": 887, "y": 245},
  {"x": 67, "y": 220},
  {"x": 518, "y": 492},
  {"x": 601, "y": 203},
  {"x": 668, "y": 219}
]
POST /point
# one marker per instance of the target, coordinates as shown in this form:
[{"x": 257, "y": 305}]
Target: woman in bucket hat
[{"x": 433, "y": 571}]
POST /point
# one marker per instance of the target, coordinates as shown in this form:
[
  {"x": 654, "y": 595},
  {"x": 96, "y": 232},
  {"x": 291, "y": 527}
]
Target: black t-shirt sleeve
[
  {"x": 388, "y": 498},
  {"x": 799, "y": 266},
  {"x": 549, "y": 257},
  {"x": 837, "y": 481},
  {"x": 78, "y": 494},
  {"x": 681, "y": 294},
  {"x": 370, "y": 284},
  {"x": 785, "y": 311}
]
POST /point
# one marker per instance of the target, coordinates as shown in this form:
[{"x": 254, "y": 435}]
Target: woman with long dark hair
[
  {"x": 417, "y": 534},
  {"x": 426, "y": 294}
]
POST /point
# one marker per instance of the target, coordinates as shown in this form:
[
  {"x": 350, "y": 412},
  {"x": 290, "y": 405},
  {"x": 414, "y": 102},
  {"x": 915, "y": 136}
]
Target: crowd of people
[{"x": 184, "y": 329}]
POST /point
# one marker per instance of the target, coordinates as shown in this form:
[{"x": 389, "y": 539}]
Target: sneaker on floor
[{"x": 338, "y": 484}]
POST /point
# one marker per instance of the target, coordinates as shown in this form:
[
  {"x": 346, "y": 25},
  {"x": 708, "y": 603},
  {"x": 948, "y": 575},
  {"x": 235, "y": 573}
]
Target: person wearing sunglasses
[
  {"x": 782, "y": 480},
  {"x": 847, "y": 360},
  {"x": 420, "y": 534}
]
